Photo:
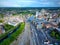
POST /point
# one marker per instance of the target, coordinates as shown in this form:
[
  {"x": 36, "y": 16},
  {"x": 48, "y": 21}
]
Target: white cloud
[
  {"x": 25, "y": 3},
  {"x": 19, "y": 3},
  {"x": 9, "y": 4}
]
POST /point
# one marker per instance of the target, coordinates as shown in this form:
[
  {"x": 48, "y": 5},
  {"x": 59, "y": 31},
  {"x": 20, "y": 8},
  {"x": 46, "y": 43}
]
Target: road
[
  {"x": 43, "y": 35},
  {"x": 39, "y": 35},
  {"x": 25, "y": 38},
  {"x": 32, "y": 36}
]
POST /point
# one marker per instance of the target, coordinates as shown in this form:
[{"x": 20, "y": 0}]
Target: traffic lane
[
  {"x": 35, "y": 34},
  {"x": 33, "y": 37},
  {"x": 41, "y": 35},
  {"x": 40, "y": 38}
]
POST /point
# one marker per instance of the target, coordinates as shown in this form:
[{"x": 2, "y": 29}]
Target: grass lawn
[{"x": 14, "y": 35}]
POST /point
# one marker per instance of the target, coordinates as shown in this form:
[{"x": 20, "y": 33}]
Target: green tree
[{"x": 53, "y": 34}]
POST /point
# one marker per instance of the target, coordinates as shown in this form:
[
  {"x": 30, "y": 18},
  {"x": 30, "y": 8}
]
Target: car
[{"x": 46, "y": 42}]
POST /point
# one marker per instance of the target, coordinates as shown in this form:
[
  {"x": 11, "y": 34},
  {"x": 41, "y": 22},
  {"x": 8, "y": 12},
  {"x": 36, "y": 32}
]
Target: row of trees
[{"x": 55, "y": 34}]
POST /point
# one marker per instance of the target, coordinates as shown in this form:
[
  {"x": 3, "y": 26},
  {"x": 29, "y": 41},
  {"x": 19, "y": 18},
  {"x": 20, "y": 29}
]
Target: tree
[{"x": 53, "y": 34}]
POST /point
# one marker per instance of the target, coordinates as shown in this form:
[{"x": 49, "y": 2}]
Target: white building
[
  {"x": 37, "y": 13},
  {"x": 15, "y": 20}
]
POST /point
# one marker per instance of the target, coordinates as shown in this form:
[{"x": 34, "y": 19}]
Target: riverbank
[{"x": 14, "y": 35}]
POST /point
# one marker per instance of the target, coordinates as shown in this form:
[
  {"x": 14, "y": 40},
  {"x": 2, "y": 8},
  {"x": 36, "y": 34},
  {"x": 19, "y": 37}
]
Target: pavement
[{"x": 25, "y": 37}]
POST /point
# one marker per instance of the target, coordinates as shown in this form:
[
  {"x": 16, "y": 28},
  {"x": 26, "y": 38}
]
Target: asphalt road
[
  {"x": 39, "y": 35},
  {"x": 32, "y": 36},
  {"x": 43, "y": 35},
  {"x": 25, "y": 38}
]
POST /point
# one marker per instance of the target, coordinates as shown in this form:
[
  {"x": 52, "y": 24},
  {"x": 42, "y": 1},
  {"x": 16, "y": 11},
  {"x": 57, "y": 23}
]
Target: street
[
  {"x": 32, "y": 36},
  {"x": 39, "y": 37},
  {"x": 25, "y": 37}
]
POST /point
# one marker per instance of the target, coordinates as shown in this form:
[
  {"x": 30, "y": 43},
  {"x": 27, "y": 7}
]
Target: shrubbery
[{"x": 55, "y": 34}]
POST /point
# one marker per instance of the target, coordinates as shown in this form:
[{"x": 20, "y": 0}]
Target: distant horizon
[
  {"x": 34, "y": 7},
  {"x": 29, "y": 7}
]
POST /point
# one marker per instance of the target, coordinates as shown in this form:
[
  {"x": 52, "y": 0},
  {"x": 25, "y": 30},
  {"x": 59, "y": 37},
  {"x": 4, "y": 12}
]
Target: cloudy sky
[{"x": 29, "y": 3}]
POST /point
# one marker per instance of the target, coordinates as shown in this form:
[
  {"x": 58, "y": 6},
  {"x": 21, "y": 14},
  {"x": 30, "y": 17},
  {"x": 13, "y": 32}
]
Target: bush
[{"x": 55, "y": 34}]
